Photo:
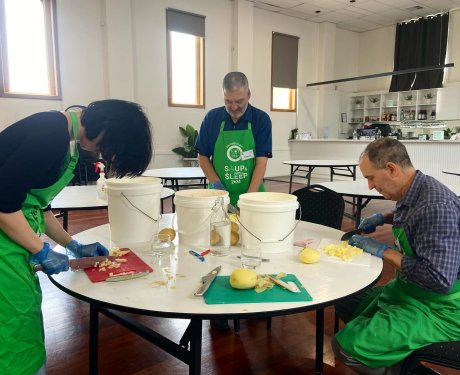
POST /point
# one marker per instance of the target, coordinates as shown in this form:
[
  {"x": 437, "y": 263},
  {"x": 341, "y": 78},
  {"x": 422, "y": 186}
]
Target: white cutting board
[{"x": 361, "y": 260}]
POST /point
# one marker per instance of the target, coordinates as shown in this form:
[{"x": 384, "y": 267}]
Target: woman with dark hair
[{"x": 38, "y": 155}]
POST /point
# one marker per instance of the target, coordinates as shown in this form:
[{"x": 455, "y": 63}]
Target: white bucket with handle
[
  {"x": 193, "y": 211},
  {"x": 269, "y": 219},
  {"x": 134, "y": 209}
]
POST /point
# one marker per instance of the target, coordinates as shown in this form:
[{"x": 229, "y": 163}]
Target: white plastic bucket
[
  {"x": 268, "y": 218},
  {"x": 134, "y": 209},
  {"x": 193, "y": 211}
]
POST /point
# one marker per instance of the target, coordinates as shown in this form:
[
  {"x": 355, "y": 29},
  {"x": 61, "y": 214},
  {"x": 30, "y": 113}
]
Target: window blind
[
  {"x": 285, "y": 51},
  {"x": 184, "y": 22}
]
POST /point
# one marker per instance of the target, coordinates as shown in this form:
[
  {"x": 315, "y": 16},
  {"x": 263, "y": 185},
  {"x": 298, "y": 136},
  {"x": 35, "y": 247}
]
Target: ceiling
[{"x": 357, "y": 15}]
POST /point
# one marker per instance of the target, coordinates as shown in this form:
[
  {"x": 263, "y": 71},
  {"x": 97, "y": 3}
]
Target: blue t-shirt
[{"x": 261, "y": 126}]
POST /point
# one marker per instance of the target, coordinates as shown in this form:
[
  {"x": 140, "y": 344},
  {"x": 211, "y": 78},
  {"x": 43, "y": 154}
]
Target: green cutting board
[{"x": 221, "y": 292}]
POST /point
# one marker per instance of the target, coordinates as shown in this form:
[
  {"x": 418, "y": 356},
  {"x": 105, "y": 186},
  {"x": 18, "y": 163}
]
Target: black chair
[
  {"x": 446, "y": 354},
  {"x": 318, "y": 205}
]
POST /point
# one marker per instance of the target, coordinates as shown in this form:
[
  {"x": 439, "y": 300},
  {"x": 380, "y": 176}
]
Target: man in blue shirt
[
  {"x": 422, "y": 304},
  {"x": 235, "y": 141}
]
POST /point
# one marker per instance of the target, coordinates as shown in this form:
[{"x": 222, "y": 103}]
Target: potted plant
[
  {"x": 187, "y": 150},
  {"x": 358, "y": 103},
  {"x": 428, "y": 97},
  {"x": 408, "y": 99},
  {"x": 374, "y": 100}
]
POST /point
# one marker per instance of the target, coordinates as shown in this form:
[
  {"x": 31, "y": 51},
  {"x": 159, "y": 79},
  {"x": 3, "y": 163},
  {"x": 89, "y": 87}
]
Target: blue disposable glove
[
  {"x": 369, "y": 245},
  {"x": 218, "y": 185},
  {"x": 369, "y": 224},
  {"x": 91, "y": 250},
  {"x": 51, "y": 261}
]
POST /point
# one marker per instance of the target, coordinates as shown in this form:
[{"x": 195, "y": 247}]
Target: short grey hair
[
  {"x": 384, "y": 150},
  {"x": 235, "y": 81}
]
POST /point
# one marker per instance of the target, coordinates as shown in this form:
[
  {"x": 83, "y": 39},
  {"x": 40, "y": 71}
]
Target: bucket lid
[
  {"x": 141, "y": 180},
  {"x": 268, "y": 201},
  {"x": 200, "y": 193}
]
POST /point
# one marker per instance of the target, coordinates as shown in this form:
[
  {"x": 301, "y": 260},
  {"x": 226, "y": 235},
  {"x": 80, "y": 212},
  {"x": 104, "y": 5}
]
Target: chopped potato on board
[{"x": 344, "y": 250}]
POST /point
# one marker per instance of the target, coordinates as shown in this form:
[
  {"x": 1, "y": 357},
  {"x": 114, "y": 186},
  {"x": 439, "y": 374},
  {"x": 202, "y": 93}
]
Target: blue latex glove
[
  {"x": 51, "y": 261},
  {"x": 218, "y": 185},
  {"x": 91, "y": 250},
  {"x": 369, "y": 245},
  {"x": 369, "y": 224}
]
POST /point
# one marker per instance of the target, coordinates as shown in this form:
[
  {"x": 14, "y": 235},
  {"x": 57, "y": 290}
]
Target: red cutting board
[{"x": 133, "y": 264}]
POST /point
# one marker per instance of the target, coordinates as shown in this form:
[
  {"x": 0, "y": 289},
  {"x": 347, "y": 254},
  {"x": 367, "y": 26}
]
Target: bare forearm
[
  {"x": 54, "y": 229},
  {"x": 208, "y": 168},
  {"x": 15, "y": 225},
  {"x": 258, "y": 174},
  {"x": 393, "y": 257}
]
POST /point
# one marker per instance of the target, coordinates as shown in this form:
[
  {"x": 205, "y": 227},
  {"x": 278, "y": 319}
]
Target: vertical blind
[
  {"x": 184, "y": 22},
  {"x": 285, "y": 51}
]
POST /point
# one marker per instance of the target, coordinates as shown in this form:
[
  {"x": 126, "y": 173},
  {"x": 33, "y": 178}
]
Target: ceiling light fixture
[{"x": 377, "y": 75}]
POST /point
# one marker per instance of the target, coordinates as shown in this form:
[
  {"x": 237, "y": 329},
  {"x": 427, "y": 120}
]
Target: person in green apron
[
  {"x": 38, "y": 155},
  {"x": 422, "y": 304},
  {"x": 235, "y": 141}
]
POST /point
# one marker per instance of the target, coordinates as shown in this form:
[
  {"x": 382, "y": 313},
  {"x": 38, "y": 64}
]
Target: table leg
[
  {"x": 290, "y": 179},
  {"x": 354, "y": 172},
  {"x": 93, "y": 340},
  {"x": 319, "y": 340},
  {"x": 308, "y": 176},
  {"x": 359, "y": 207},
  {"x": 195, "y": 347}
]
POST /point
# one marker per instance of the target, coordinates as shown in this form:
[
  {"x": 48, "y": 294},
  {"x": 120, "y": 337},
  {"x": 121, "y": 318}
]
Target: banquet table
[
  {"x": 179, "y": 177},
  {"x": 168, "y": 291},
  {"x": 85, "y": 197},
  {"x": 337, "y": 168}
]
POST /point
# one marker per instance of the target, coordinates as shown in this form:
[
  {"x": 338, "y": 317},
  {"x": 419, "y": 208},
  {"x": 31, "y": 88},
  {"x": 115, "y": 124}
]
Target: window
[
  {"x": 28, "y": 49},
  {"x": 185, "y": 45},
  {"x": 284, "y": 72}
]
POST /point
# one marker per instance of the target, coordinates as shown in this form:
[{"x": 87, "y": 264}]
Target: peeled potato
[
  {"x": 235, "y": 237},
  {"x": 168, "y": 231},
  {"x": 243, "y": 278},
  {"x": 309, "y": 255},
  {"x": 235, "y": 227},
  {"x": 215, "y": 238}
]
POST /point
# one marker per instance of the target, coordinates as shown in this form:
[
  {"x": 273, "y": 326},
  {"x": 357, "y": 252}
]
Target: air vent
[{"x": 417, "y": 7}]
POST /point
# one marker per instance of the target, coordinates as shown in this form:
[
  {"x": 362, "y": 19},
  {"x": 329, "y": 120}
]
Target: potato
[
  {"x": 243, "y": 278},
  {"x": 235, "y": 238},
  {"x": 215, "y": 237},
  {"x": 168, "y": 231},
  {"x": 235, "y": 227},
  {"x": 309, "y": 255}
]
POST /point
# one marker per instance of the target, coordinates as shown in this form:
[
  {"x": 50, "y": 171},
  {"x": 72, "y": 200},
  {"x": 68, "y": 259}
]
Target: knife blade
[
  {"x": 281, "y": 283},
  {"x": 207, "y": 281},
  {"x": 348, "y": 235},
  {"x": 127, "y": 276},
  {"x": 81, "y": 263}
]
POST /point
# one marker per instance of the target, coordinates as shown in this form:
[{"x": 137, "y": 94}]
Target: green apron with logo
[
  {"x": 234, "y": 160},
  {"x": 22, "y": 349},
  {"x": 400, "y": 317}
]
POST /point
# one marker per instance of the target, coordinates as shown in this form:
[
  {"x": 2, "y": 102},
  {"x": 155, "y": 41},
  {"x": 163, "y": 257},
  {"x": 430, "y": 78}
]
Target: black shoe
[
  {"x": 423, "y": 370},
  {"x": 220, "y": 324}
]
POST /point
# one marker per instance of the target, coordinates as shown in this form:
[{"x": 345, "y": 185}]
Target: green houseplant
[{"x": 187, "y": 150}]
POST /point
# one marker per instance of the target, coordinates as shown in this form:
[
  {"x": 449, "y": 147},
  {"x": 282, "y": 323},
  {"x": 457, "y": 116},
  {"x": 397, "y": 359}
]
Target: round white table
[
  {"x": 169, "y": 290},
  {"x": 337, "y": 167},
  {"x": 85, "y": 197},
  {"x": 179, "y": 174}
]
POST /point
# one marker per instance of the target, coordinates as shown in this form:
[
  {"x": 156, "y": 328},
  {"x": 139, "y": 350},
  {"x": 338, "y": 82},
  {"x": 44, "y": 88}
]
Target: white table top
[
  {"x": 85, "y": 196},
  {"x": 326, "y": 281},
  {"x": 452, "y": 171},
  {"x": 176, "y": 173},
  {"x": 322, "y": 163},
  {"x": 359, "y": 188}
]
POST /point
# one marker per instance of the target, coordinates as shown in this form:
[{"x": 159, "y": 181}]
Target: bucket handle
[
  {"x": 138, "y": 209},
  {"x": 199, "y": 226},
  {"x": 234, "y": 210}
]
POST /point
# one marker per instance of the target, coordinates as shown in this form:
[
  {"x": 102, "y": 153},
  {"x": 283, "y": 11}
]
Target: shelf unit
[{"x": 393, "y": 106}]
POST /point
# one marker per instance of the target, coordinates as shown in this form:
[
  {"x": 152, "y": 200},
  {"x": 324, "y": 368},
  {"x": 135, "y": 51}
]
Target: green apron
[
  {"x": 234, "y": 160},
  {"x": 22, "y": 349},
  {"x": 399, "y": 317}
]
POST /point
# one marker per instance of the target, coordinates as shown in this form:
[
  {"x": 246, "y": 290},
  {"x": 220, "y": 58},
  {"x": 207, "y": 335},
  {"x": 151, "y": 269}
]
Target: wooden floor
[{"x": 289, "y": 348}]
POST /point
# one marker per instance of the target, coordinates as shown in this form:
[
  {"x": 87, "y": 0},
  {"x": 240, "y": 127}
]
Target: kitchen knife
[
  {"x": 348, "y": 235},
  {"x": 127, "y": 276},
  {"x": 81, "y": 263},
  {"x": 207, "y": 280},
  {"x": 282, "y": 284}
]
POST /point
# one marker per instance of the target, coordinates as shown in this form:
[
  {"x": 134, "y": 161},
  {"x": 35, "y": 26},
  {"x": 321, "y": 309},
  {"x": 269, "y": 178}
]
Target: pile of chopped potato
[
  {"x": 264, "y": 283},
  {"x": 344, "y": 250}
]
